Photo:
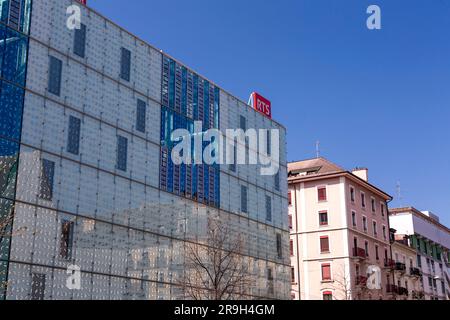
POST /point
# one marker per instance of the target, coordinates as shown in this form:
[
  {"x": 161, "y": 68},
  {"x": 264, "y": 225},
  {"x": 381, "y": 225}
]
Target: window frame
[
  {"x": 363, "y": 200},
  {"x": 73, "y": 147},
  {"x": 322, "y": 269},
  {"x": 55, "y": 69},
  {"x": 125, "y": 60},
  {"x": 352, "y": 194},
  {"x": 322, "y": 187},
  {"x": 323, "y": 224},
  {"x": 79, "y": 49},
  {"x": 324, "y": 237}
]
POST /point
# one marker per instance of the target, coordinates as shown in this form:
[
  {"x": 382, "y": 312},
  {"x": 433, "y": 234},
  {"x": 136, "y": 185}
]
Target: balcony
[
  {"x": 359, "y": 253},
  {"x": 400, "y": 267},
  {"x": 361, "y": 281},
  {"x": 389, "y": 263},
  {"x": 402, "y": 291},
  {"x": 392, "y": 289},
  {"x": 415, "y": 272},
  {"x": 418, "y": 295}
]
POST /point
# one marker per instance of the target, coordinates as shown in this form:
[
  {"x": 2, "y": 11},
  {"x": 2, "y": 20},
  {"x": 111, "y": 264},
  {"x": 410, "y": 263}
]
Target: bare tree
[
  {"x": 216, "y": 269},
  {"x": 342, "y": 283}
]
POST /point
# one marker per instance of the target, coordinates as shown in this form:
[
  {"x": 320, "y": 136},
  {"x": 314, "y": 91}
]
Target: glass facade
[
  {"x": 14, "y": 26},
  {"x": 188, "y": 98},
  {"x": 88, "y": 176}
]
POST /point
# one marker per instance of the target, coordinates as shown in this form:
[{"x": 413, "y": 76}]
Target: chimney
[{"x": 362, "y": 173}]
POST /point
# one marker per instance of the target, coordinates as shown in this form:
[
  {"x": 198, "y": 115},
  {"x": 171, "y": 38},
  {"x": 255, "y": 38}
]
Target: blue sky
[{"x": 376, "y": 99}]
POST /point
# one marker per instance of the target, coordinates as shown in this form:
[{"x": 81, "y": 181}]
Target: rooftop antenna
[{"x": 318, "y": 149}]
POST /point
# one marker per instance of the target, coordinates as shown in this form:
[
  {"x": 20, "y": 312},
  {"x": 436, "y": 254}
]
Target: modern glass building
[{"x": 86, "y": 177}]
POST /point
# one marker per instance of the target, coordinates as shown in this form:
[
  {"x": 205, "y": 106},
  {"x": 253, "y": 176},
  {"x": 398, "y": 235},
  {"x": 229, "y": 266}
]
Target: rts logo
[{"x": 261, "y": 104}]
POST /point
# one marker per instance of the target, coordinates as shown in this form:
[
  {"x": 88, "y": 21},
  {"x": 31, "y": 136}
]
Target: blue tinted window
[
  {"x": 47, "y": 178},
  {"x": 8, "y": 168},
  {"x": 244, "y": 199},
  {"x": 73, "y": 141},
  {"x": 140, "y": 115},
  {"x": 54, "y": 77},
  {"x": 268, "y": 208},
  {"x": 13, "y": 51},
  {"x": 269, "y": 143},
  {"x": 79, "y": 46},
  {"x": 122, "y": 153},
  {"x": 242, "y": 123},
  {"x": 16, "y": 13},
  {"x": 277, "y": 181},
  {"x": 125, "y": 64},
  {"x": 172, "y": 84},
  {"x": 11, "y": 102},
  {"x": 233, "y": 165}
]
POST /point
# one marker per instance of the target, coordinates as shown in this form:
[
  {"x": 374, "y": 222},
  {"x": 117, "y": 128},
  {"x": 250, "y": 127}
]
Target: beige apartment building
[
  {"x": 407, "y": 276},
  {"x": 340, "y": 235}
]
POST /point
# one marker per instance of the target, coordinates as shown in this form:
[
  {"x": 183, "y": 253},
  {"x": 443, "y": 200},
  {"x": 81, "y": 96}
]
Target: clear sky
[{"x": 376, "y": 99}]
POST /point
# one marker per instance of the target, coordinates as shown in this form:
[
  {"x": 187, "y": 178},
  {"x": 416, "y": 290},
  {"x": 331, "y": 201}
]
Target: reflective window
[
  {"x": 8, "y": 170},
  {"x": 16, "y": 13},
  {"x": 73, "y": 141},
  {"x": 37, "y": 286},
  {"x": 13, "y": 55},
  {"x": 122, "y": 153},
  {"x": 79, "y": 46},
  {"x": 11, "y": 102},
  {"x": 268, "y": 208},
  {"x": 47, "y": 178},
  {"x": 243, "y": 123},
  {"x": 277, "y": 181},
  {"x": 66, "y": 239},
  {"x": 186, "y": 98},
  {"x": 279, "y": 246},
  {"x": 125, "y": 64},
  {"x": 140, "y": 115},
  {"x": 244, "y": 200},
  {"x": 54, "y": 77}
]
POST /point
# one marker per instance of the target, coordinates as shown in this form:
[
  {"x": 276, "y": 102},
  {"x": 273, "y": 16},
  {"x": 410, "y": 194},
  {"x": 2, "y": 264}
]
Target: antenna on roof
[{"x": 318, "y": 149}]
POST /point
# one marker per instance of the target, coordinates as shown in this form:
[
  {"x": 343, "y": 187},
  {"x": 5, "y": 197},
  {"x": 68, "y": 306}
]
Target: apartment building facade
[
  {"x": 86, "y": 178},
  {"x": 339, "y": 233},
  {"x": 431, "y": 242},
  {"x": 407, "y": 284}
]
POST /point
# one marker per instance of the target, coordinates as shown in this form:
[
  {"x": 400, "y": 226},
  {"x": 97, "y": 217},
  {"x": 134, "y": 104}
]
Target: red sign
[
  {"x": 82, "y": 1},
  {"x": 261, "y": 104}
]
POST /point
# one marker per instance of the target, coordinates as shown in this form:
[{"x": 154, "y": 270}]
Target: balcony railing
[
  {"x": 402, "y": 291},
  {"x": 418, "y": 295},
  {"x": 392, "y": 288},
  {"x": 415, "y": 272},
  {"x": 389, "y": 263},
  {"x": 359, "y": 253},
  {"x": 361, "y": 281},
  {"x": 400, "y": 267}
]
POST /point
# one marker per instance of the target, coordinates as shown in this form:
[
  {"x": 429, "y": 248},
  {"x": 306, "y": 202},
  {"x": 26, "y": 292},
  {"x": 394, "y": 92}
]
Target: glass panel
[
  {"x": 47, "y": 178},
  {"x": 122, "y": 153},
  {"x": 79, "y": 46},
  {"x": 54, "y": 80},
  {"x": 140, "y": 116},
  {"x": 73, "y": 145},
  {"x": 125, "y": 64},
  {"x": 11, "y": 101},
  {"x": 8, "y": 168},
  {"x": 15, "y": 57}
]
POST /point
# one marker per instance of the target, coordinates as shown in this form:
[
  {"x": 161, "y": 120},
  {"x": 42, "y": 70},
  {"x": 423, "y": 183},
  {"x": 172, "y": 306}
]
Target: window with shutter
[
  {"x": 322, "y": 194},
  {"x": 326, "y": 272},
  {"x": 324, "y": 245}
]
